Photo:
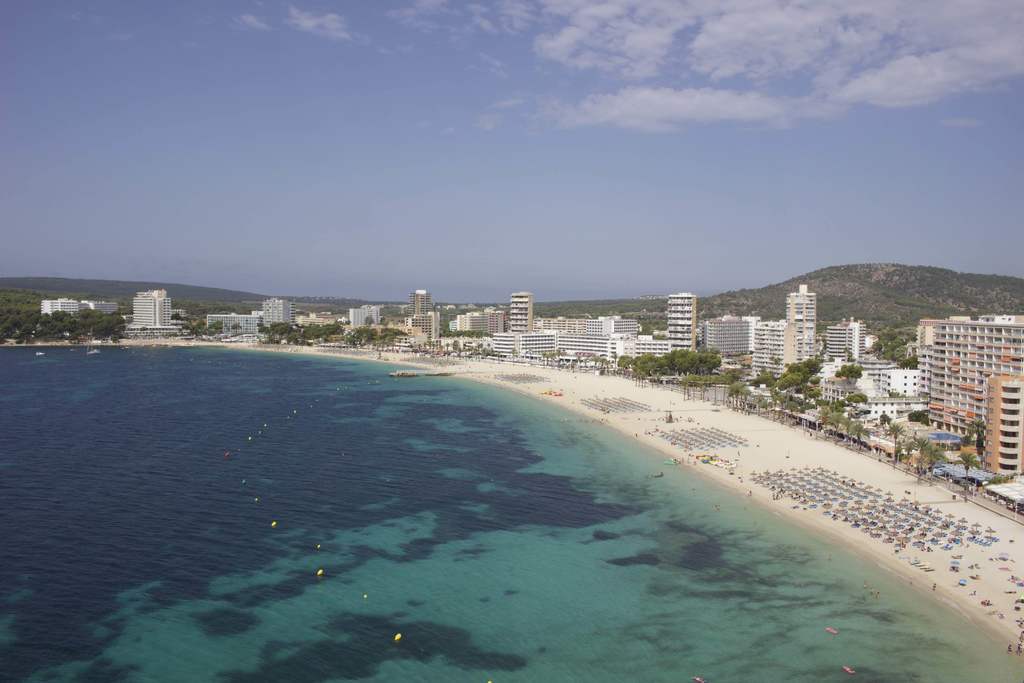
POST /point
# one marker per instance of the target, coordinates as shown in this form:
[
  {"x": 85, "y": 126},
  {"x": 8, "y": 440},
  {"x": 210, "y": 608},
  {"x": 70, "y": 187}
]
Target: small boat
[
  {"x": 659, "y": 475},
  {"x": 831, "y": 630},
  {"x": 40, "y": 353},
  {"x": 849, "y": 670},
  {"x": 698, "y": 679},
  {"x": 91, "y": 351}
]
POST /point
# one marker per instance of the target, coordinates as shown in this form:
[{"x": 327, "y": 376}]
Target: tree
[
  {"x": 858, "y": 431},
  {"x": 855, "y": 398},
  {"x": 738, "y": 391},
  {"x": 853, "y": 372},
  {"x": 909, "y": 363},
  {"x": 969, "y": 460},
  {"x": 979, "y": 436},
  {"x": 625, "y": 362},
  {"x": 895, "y": 430},
  {"x": 919, "y": 416}
]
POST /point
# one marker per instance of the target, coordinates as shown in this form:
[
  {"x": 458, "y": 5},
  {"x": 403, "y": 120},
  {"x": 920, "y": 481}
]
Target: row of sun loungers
[
  {"x": 703, "y": 439},
  {"x": 616, "y": 405}
]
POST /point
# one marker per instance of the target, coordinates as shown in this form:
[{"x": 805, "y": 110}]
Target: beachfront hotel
[
  {"x": 277, "y": 311},
  {"x": 520, "y": 312},
  {"x": 151, "y": 315},
  {"x": 682, "y": 321},
  {"x": 729, "y": 335},
  {"x": 1004, "y": 433},
  {"x": 363, "y": 316},
  {"x": 567, "y": 325},
  {"x": 235, "y": 323},
  {"x": 964, "y": 357},
  {"x": 801, "y": 318},
  {"x": 846, "y": 340},
  {"x": 530, "y": 344},
  {"x": 490, "y": 321}
]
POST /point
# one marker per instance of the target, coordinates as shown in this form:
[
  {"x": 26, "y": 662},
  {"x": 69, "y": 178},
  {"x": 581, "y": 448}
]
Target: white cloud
[
  {"x": 250, "y": 22},
  {"x": 508, "y": 103},
  {"x": 327, "y": 25},
  {"x": 960, "y": 122},
  {"x": 663, "y": 109},
  {"x": 503, "y": 16},
  {"x": 825, "y": 55},
  {"x": 488, "y": 121},
  {"x": 493, "y": 65}
]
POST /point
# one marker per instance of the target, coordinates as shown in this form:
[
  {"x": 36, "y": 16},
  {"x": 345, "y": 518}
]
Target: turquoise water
[{"x": 504, "y": 538}]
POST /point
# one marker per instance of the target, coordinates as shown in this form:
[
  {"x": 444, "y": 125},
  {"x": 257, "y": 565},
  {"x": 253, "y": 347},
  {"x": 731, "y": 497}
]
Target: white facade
[
  {"x": 51, "y": 306},
  {"x": 729, "y": 335},
  {"x": 801, "y": 316},
  {"x": 893, "y": 407},
  {"x": 612, "y": 324},
  {"x": 233, "y": 324},
  {"x": 646, "y": 344},
  {"x": 364, "y": 315},
  {"x": 900, "y": 381},
  {"x": 845, "y": 340},
  {"x": 567, "y": 325},
  {"x": 579, "y": 345},
  {"x": 151, "y": 309},
  {"x": 277, "y": 311},
  {"x": 532, "y": 344},
  {"x": 770, "y": 346},
  {"x": 682, "y": 320},
  {"x": 753, "y": 320},
  {"x": 520, "y": 312}
]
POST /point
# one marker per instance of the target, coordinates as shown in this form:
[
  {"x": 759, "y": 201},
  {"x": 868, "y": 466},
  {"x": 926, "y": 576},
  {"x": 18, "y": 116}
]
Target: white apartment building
[
  {"x": 964, "y": 355},
  {"x": 753, "y": 320},
  {"x": 801, "y": 316},
  {"x": 277, "y": 311},
  {"x": 582, "y": 345},
  {"x": 846, "y": 340},
  {"x": 770, "y": 346},
  {"x": 490, "y": 321},
  {"x": 51, "y": 306},
  {"x": 682, "y": 321},
  {"x": 567, "y": 325},
  {"x": 729, "y": 335},
  {"x": 101, "y": 306},
  {"x": 644, "y": 344},
  {"x": 520, "y": 312},
  {"x": 529, "y": 344},
  {"x": 233, "y": 324},
  {"x": 900, "y": 381},
  {"x": 364, "y": 315},
  {"x": 892, "y": 406},
  {"x": 612, "y": 324}
]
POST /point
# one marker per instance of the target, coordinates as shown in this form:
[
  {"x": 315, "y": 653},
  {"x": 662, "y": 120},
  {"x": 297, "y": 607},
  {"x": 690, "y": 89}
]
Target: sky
[{"x": 573, "y": 148}]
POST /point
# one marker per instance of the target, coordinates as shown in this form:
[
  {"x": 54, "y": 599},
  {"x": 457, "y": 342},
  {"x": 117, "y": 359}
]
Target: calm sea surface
[{"x": 505, "y": 540}]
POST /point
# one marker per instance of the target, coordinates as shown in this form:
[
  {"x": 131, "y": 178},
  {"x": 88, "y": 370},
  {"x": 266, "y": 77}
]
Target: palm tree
[
  {"x": 895, "y": 431},
  {"x": 737, "y": 391},
  {"x": 979, "y": 435},
  {"x": 969, "y": 460},
  {"x": 858, "y": 431}
]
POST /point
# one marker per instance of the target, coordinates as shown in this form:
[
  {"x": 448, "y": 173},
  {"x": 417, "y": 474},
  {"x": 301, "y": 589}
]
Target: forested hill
[
  {"x": 888, "y": 293},
  {"x": 123, "y": 289}
]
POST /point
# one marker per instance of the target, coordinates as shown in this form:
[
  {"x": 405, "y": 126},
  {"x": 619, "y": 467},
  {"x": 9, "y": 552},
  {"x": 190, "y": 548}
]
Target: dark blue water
[{"x": 505, "y": 542}]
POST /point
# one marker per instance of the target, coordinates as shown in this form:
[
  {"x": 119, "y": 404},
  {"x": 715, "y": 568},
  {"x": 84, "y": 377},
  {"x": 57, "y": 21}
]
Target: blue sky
[{"x": 602, "y": 148}]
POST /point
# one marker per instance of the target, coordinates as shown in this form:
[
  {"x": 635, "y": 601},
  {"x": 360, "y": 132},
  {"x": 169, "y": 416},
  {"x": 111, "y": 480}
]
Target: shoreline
[{"x": 772, "y": 446}]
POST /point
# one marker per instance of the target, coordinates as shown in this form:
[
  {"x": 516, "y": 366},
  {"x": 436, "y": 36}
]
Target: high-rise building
[
  {"x": 420, "y": 302},
  {"x": 682, "y": 321},
  {"x": 753, "y": 320},
  {"x": 151, "y": 309},
  {"x": 924, "y": 348},
  {"x": 964, "y": 355},
  {"x": 277, "y": 311},
  {"x": 801, "y": 316},
  {"x": 364, "y": 315},
  {"x": 729, "y": 335},
  {"x": 845, "y": 340},
  {"x": 770, "y": 346},
  {"x": 51, "y": 306},
  {"x": 520, "y": 312},
  {"x": 427, "y": 324},
  {"x": 1004, "y": 434}
]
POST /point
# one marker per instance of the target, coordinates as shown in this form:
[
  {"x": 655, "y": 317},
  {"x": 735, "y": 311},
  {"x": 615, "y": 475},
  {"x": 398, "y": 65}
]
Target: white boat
[
  {"x": 91, "y": 351},
  {"x": 40, "y": 353}
]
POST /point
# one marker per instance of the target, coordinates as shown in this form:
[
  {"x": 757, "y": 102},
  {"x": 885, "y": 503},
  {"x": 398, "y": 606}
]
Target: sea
[{"x": 165, "y": 513}]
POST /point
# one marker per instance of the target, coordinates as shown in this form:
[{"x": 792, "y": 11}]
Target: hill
[
  {"x": 881, "y": 293},
  {"x": 123, "y": 289}
]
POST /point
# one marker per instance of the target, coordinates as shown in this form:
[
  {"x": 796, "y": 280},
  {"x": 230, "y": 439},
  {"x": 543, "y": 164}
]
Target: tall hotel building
[
  {"x": 729, "y": 335},
  {"x": 277, "y": 311},
  {"x": 845, "y": 341},
  {"x": 682, "y": 321},
  {"x": 520, "y": 312},
  {"x": 151, "y": 309},
  {"x": 975, "y": 372},
  {"x": 801, "y": 317},
  {"x": 424, "y": 319}
]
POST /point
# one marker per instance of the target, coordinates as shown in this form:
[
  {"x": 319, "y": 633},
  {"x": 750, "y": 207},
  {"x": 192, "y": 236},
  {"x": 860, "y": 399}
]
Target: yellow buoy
[
  {"x": 273, "y": 524},
  {"x": 398, "y": 637},
  {"x": 318, "y": 546},
  {"x": 320, "y": 572}
]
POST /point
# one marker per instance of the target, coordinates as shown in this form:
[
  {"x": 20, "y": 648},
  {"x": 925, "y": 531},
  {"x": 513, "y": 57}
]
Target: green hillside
[
  {"x": 123, "y": 289},
  {"x": 886, "y": 293}
]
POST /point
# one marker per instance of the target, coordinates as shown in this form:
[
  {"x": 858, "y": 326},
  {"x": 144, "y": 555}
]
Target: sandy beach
[{"x": 770, "y": 446}]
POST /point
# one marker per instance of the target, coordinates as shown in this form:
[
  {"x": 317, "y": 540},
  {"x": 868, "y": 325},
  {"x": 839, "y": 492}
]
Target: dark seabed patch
[{"x": 225, "y": 621}]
